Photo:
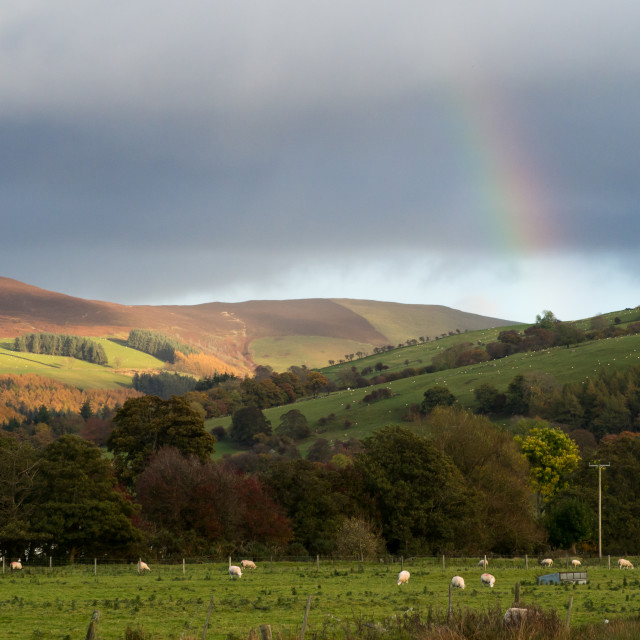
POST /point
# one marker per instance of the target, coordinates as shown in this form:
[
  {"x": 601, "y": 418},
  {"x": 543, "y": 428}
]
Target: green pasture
[
  {"x": 78, "y": 373},
  {"x": 311, "y": 351},
  {"x": 576, "y": 364},
  {"x": 43, "y": 603}
]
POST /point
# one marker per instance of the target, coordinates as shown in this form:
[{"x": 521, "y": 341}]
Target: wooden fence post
[
  {"x": 443, "y": 563},
  {"x": 450, "y": 602},
  {"x": 265, "y": 632},
  {"x": 93, "y": 625},
  {"x": 304, "y": 621},
  {"x": 318, "y": 562},
  {"x": 184, "y": 570},
  {"x": 526, "y": 561},
  {"x": 95, "y": 566},
  {"x": 569, "y": 611},
  {"x": 206, "y": 624}
]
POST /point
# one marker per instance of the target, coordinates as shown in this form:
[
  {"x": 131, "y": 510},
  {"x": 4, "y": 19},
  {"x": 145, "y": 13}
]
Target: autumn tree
[
  {"x": 144, "y": 425},
  {"x": 357, "y": 537},
  {"x": 553, "y": 457},
  {"x": 315, "y": 383}
]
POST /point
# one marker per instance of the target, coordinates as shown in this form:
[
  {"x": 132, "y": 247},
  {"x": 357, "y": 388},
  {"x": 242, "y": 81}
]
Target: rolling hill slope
[{"x": 279, "y": 333}]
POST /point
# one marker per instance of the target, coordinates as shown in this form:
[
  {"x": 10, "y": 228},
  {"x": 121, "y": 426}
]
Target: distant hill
[{"x": 277, "y": 333}]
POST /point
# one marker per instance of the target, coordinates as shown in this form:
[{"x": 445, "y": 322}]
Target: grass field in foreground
[{"x": 47, "y": 604}]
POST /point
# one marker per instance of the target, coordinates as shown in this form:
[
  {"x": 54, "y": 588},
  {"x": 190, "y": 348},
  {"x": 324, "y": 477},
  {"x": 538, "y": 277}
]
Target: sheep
[
  {"x": 143, "y": 566},
  {"x": 547, "y": 562},
  {"x": 484, "y": 563},
  {"x": 487, "y": 578},
  {"x": 457, "y": 581},
  {"x": 16, "y": 566},
  {"x": 235, "y": 572},
  {"x": 576, "y": 563},
  {"x": 248, "y": 564},
  {"x": 403, "y": 577},
  {"x": 514, "y": 615},
  {"x": 624, "y": 564}
]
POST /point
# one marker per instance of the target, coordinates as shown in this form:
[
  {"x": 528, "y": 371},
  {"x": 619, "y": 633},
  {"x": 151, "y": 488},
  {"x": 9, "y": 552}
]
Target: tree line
[
  {"x": 463, "y": 485},
  {"x": 158, "y": 345},
  {"x": 57, "y": 344}
]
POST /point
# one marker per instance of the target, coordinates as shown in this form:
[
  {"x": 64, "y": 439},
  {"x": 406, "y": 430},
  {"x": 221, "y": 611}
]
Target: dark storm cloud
[{"x": 236, "y": 146}]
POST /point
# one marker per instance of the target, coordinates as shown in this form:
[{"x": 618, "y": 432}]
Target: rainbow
[{"x": 502, "y": 177}]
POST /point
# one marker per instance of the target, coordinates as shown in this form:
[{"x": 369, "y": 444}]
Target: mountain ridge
[{"x": 229, "y": 329}]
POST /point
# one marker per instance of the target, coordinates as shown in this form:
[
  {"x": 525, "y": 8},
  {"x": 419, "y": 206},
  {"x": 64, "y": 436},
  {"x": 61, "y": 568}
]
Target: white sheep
[
  {"x": 403, "y": 577},
  {"x": 143, "y": 566},
  {"x": 248, "y": 564},
  {"x": 576, "y": 563},
  {"x": 484, "y": 563},
  {"x": 547, "y": 562},
  {"x": 235, "y": 572},
  {"x": 624, "y": 564},
  {"x": 514, "y": 615},
  {"x": 16, "y": 566},
  {"x": 457, "y": 581},
  {"x": 487, "y": 579}
]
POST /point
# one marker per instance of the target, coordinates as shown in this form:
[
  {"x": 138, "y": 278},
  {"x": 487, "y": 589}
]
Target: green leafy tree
[
  {"x": 569, "y": 520},
  {"x": 144, "y": 425},
  {"x": 436, "y": 397},
  {"x": 553, "y": 457},
  {"x": 246, "y": 424},
  {"x": 19, "y": 465},
  {"x": 294, "y": 425},
  {"x": 424, "y": 503},
  {"x": 79, "y": 507}
]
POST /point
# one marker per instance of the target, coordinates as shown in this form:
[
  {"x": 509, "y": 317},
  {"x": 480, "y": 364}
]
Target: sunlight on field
[{"x": 56, "y": 603}]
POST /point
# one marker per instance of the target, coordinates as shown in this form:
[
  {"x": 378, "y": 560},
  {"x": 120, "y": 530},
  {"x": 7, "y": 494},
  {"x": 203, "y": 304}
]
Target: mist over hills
[{"x": 242, "y": 334}]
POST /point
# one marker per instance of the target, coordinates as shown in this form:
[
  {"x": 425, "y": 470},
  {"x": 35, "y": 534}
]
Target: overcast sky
[{"x": 479, "y": 155}]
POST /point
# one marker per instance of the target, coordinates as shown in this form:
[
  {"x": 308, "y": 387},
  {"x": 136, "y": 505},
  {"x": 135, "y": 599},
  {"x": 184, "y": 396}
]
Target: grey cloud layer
[{"x": 170, "y": 137}]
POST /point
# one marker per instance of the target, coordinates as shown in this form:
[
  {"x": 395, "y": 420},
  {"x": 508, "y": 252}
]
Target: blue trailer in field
[{"x": 564, "y": 577}]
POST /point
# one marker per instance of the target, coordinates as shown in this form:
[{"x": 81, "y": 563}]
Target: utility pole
[{"x": 600, "y": 467}]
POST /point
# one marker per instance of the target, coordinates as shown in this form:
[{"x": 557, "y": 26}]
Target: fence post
[
  {"x": 265, "y": 632},
  {"x": 443, "y": 563},
  {"x": 95, "y": 566},
  {"x": 318, "y": 562},
  {"x": 569, "y": 611},
  {"x": 91, "y": 631},
  {"x": 206, "y": 624},
  {"x": 184, "y": 572},
  {"x": 526, "y": 561},
  {"x": 450, "y": 602},
  {"x": 609, "y": 563},
  {"x": 2, "y": 564},
  {"x": 50, "y": 562},
  {"x": 304, "y": 621}
]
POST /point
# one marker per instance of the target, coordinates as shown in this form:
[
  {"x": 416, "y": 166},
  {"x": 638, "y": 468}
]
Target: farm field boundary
[{"x": 171, "y": 600}]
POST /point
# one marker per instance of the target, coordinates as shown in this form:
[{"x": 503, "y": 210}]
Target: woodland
[{"x": 126, "y": 473}]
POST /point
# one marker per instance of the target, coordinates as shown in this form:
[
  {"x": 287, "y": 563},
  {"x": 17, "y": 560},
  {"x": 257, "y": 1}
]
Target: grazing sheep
[
  {"x": 547, "y": 562},
  {"x": 143, "y": 566},
  {"x": 576, "y": 563},
  {"x": 483, "y": 563},
  {"x": 487, "y": 578},
  {"x": 16, "y": 566},
  {"x": 457, "y": 581},
  {"x": 235, "y": 572},
  {"x": 403, "y": 577},
  {"x": 248, "y": 564},
  {"x": 514, "y": 616},
  {"x": 624, "y": 564}
]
